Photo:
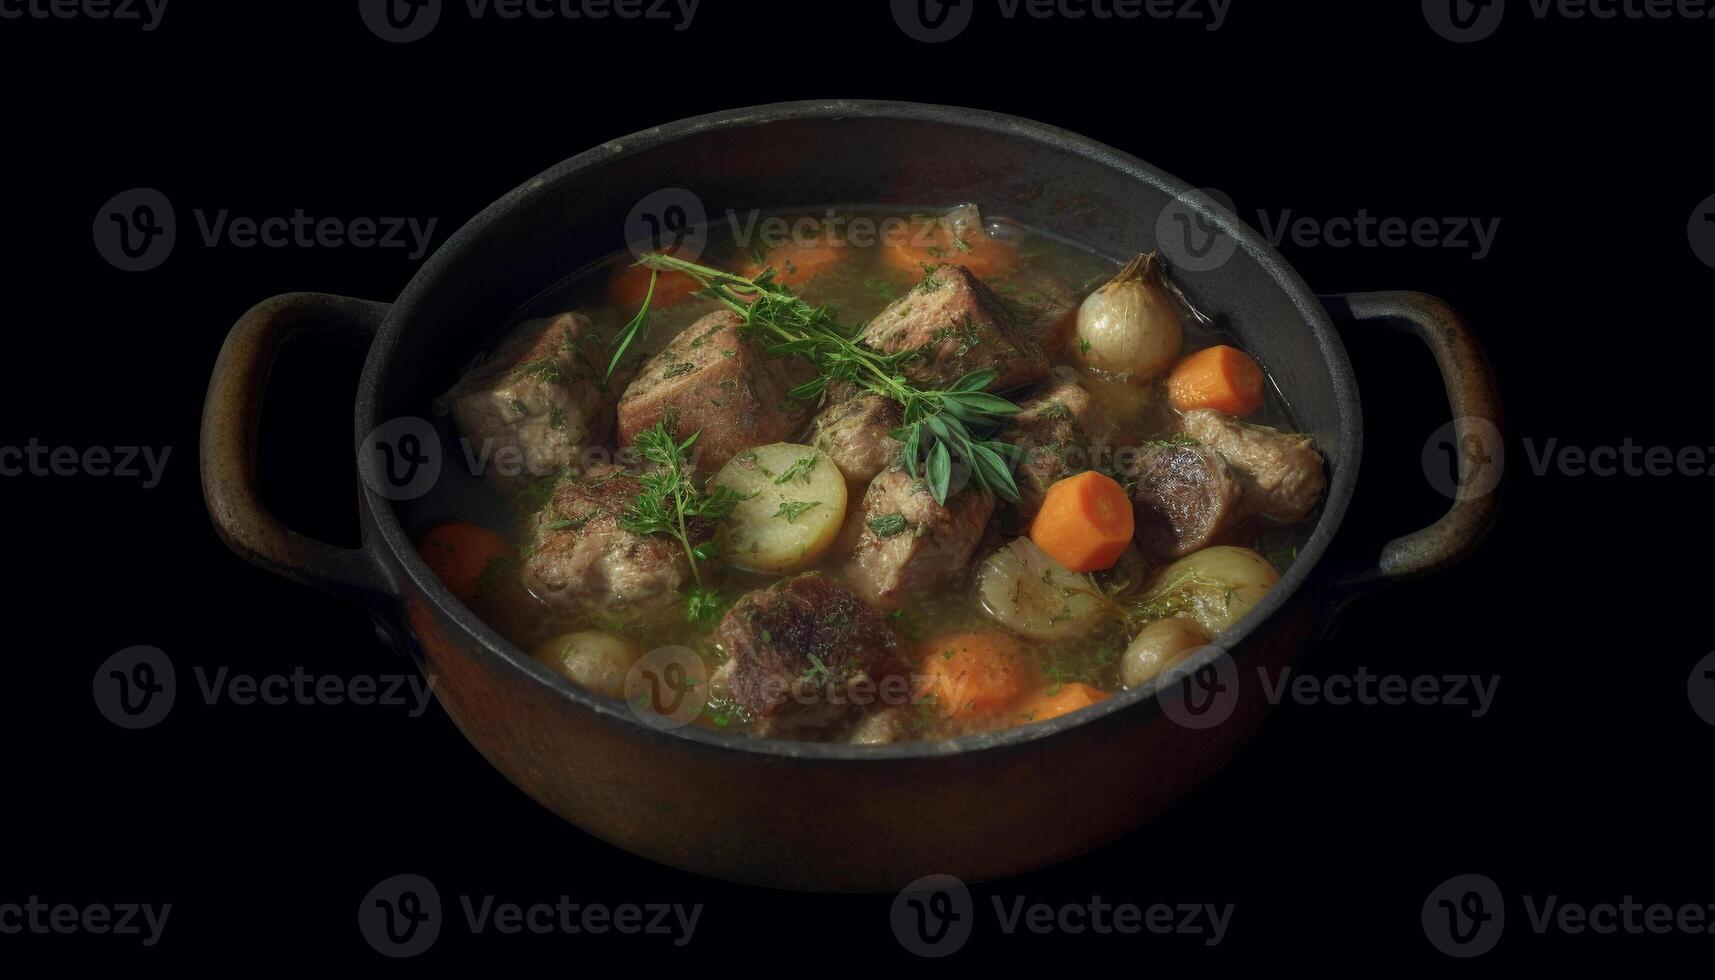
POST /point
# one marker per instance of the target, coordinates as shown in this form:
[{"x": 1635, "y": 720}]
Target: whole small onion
[{"x": 1128, "y": 329}]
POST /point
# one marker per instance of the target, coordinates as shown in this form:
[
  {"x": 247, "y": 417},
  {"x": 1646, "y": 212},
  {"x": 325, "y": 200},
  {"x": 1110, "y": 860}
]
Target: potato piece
[
  {"x": 1028, "y": 592},
  {"x": 1216, "y": 586},
  {"x": 1159, "y": 646},
  {"x": 593, "y": 660},
  {"x": 796, "y": 504}
]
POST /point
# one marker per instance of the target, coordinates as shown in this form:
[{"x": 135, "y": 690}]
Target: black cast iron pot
[{"x": 788, "y": 813}]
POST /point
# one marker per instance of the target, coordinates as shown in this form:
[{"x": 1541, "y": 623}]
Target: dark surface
[{"x": 265, "y": 826}]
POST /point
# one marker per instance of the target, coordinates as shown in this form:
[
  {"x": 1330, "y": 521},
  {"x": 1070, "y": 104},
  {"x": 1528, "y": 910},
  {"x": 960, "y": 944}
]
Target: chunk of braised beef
[
  {"x": 1282, "y": 472},
  {"x": 538, "y": 402},
  {"x": 855, "y": 435},
  {"x": 715, "y": 379},
  {"x": 1061, "y": 432},
  {"x": 807, "y": 652},
  {"x": 906, "y": 543},
  {"x": 581, "y": 560},
  {"x": 1051, "y": 307},
  {"x": 1184, "y": 498},
  {"x": 957, "y": 325}
]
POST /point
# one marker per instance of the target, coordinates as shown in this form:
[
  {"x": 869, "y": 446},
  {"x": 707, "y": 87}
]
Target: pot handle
[
  {"x": 228, "y": 447},
  {"x": 1477, "y": 427}
]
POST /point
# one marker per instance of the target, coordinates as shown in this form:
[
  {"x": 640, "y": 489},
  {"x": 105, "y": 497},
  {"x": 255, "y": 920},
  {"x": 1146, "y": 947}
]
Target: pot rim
[{"x": 381, "y": 519}]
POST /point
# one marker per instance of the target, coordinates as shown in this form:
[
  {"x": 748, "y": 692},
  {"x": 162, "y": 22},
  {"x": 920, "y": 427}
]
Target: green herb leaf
[
  {"x": 887, "y": 525},
  {"x": 703, "y": 608},
  {"x": 669, "y": 501},
  {"x": 569, "y": 523},
  {"x": 976, "y": 380},
  {"x": 798, "y": 471},
  {"x": 794, "y": 509},
  {"x": 636, "y": 328},
  {"x": 940, "y": 471}
]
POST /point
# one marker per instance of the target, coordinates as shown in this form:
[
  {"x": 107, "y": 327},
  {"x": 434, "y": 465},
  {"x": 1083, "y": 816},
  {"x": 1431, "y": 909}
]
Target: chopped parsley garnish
[
  {"x": 569, "y": 523},
  {"x": 547, "y": 369},
  {"x": 798, "y": 471},
  {"x": 887, "y": 525},
  {"x": 794, "y": 509}
]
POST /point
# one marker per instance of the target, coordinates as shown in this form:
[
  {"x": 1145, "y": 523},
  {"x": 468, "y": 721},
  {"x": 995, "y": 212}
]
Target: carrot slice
[
  {"x": 975, "y": 251},
  {"x": 1085, "y": 522},
  {"x": 630, "y": 284},
  {"x": 973, "y": 675},
  {"x": 1223, "y": 378},
  {"x": 1053, "y": 703},
  {"x": 796, "y": 263},
  {"x": 459, "y": 554}
]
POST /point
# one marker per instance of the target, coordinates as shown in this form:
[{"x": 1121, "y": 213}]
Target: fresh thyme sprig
[
  {"x": 943, "y": 429},
  {"x": 668, "y": 505}
]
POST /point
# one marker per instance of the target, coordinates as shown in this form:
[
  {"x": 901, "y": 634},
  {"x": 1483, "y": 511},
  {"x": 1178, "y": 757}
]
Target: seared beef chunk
[
  {"x": 854, "y": 433},
  {"x": 580, "y": 560},
  {"x": 908, "y": 544},
  {"x": 1061, "y": 432},
  {"x": 958, "y": 325},
  {"x": 538, "y": 402},
  {"x": 715, "y": 379},
  {"x": 1281, "y": 471},
  {"x": 1185, "y": 498},
  {"x": 1051, "y": 304},
  {"x": 807, "y": 653},
  {"x": 665, "y": 325}
]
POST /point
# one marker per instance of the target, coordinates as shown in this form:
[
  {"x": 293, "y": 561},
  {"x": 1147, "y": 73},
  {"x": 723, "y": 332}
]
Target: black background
[{"x": 265, "y": 826}]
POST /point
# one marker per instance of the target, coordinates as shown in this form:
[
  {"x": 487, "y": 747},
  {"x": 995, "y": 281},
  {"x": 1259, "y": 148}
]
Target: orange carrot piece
[
  {"x": 630, "y": 284},
  {"x": 1085, "y": 522},
  {"x": 973, "y": 675},
  {"x": 976, "y": 251},
  {"x": 1223, "y": 378},
  {"x": 796, "y": 263},
  {"x": 459, "y": 554},
  {"x": 1052, "y": 703}
]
